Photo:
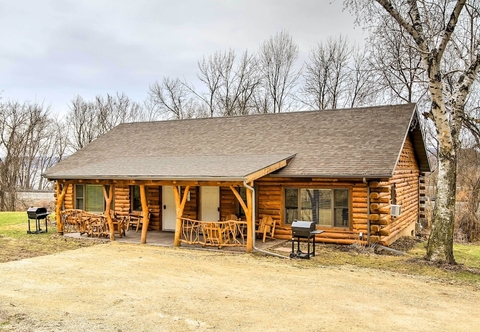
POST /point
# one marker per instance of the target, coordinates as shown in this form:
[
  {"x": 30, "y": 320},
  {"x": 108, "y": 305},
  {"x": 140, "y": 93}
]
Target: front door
[
  {"x": 169, "y": 210},
  {"x": 209, "y": 203}
]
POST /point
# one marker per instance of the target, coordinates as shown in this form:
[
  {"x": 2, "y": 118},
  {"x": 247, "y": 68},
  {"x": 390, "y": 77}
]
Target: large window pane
[
  {"x": 325, "y": 207},
  {"x": 79, "y": 196},
  {"x": 95, "y": 199},
  {"x": 341, "y": 207},
  {"x": 136, "y": 200},
  {"x": 317, "y": 206},
  {"x": 291, "y": 205},
  {"x": 242, "y": 191}
]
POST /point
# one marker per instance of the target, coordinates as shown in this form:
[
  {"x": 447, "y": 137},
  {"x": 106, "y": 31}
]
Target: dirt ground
[{"x": 127, "y": 287}]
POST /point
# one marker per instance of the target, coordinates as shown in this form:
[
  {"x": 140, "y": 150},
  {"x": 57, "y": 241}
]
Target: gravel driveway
[{"x": 126, "y": 287}]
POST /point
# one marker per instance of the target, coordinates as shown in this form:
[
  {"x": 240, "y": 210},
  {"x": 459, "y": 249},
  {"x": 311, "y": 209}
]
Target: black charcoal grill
[
  {"x": 37, "y": 214},
  {"x": 303, "y": 230}
]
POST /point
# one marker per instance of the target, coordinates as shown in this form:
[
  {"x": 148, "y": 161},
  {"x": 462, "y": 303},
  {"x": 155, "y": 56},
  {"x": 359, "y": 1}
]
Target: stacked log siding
[{"x": 405, "y": 184}]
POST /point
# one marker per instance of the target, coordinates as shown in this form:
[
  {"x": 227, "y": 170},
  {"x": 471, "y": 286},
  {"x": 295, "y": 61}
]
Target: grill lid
[
  {"x": 302, "y": 228},
  {"x": 37, "y": 212},
  {"x": 303, "y": 225}
]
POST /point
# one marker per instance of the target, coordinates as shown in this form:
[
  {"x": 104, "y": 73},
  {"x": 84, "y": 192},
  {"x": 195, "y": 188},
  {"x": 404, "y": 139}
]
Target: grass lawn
[{"x": 16, "y": 244}]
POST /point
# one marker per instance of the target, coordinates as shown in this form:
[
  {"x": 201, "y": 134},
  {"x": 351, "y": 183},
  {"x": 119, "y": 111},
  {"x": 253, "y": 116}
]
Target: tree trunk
[{"x": 440, "y": 243}]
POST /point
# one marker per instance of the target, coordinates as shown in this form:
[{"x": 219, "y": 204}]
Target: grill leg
[
  {"x": 292, "y": 254},
  {"x": 308, "y": 246},
  {"x": 314, "y": 245}
]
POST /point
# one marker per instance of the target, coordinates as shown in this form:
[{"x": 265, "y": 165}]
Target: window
[
  {"x": 325, "y": 207},
  {"x": 243, "y": 194},
  {"x": 89, "y": 197},
  {"x": 135, "y": 200},
  {"x": 393, "y": 194},
  {"x": 80, "y": 196}
]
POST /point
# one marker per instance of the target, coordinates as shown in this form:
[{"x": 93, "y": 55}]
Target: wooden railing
[
  {"x": 92, "y": 224},
  {"x": 229, "y": 233}
]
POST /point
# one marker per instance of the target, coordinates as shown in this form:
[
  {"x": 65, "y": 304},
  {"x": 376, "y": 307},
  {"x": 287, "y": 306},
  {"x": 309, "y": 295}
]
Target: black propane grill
[
  {"x": 37, "y": 214},
  {"x": 303, "y": 230}
]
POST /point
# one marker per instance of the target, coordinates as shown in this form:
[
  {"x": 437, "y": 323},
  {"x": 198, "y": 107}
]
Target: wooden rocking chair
[
  {"x": 232, "y": 217},
  {"x": 266, "y": 228}
]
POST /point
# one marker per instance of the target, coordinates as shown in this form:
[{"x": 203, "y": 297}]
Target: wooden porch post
[
  {"x": 61, "y": 192},
  {"x": 179, "y": 205},
  {"x": 248, "y": 213},
  {"x": 108, "y": 201},
  {"x": 250, "y": 226},
  {"x": 145, "y": 214}
]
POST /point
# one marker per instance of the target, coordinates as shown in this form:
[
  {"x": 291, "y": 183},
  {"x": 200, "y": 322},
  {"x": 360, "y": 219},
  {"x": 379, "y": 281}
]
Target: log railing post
[
  {"x": 179, "y": 207},
  {"x": 250, "y": 227},
  {"x": 61, "y": 192}
]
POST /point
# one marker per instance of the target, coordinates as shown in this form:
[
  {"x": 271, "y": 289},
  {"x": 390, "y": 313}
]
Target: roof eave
[
  {"x": 335, "y": 176},
  {"x": 146, "y": 178}
]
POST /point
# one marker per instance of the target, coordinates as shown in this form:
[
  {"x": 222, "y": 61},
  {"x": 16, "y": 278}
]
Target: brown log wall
[
  {"x": 228, "y": 203},
  {"x": 154, "y": 204},
  {"x": 69, "y": 201},
  {"x": 121, "y": 200},
  {"x": 270, "y": 201},
  {"x": 191, "y": 211},
  {"x": 405, "y": 182}
]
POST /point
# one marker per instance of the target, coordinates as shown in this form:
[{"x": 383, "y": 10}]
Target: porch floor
[{"x": 165, "y": 239}]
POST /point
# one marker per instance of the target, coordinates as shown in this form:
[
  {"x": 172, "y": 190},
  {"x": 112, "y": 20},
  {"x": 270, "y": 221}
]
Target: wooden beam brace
[
  {"x": 145, "y": 214},
  {"x": 239, "y": 198},
  {"x": 265, "y": 171}
]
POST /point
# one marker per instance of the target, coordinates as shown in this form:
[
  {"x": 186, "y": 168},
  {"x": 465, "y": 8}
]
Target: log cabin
[{"x": 357, "y": 173}]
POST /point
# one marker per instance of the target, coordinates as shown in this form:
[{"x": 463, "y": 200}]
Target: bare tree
[
  {"x": 434, "y": 27},
  {"x": 51, "y": 151},
  {"x": 87, "y": 120},
  {"x": 317, "y": 78},
  {"x": 82, "y": 123},
  {"x": 396, "y": 63},
  {"x": 361, "y": 89},
  {"x": 240, "y": 79},
  {"x": 337, "y": 75},
  {"x": 211, "y": 75},
  {"x": 22, "y": 133},
  {"x": 277, "y": 57},
  {"x": 172, "y": 99},
  {"x": 468, "y": 228},
  {"x": 230, "y": 82}
]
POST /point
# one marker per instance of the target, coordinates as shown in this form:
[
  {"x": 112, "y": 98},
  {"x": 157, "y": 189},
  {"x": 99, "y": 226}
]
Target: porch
[{"x": 166, "y": 239}]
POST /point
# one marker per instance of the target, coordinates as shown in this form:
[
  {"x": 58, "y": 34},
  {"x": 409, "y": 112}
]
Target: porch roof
[{"x": 213, "y": 167}]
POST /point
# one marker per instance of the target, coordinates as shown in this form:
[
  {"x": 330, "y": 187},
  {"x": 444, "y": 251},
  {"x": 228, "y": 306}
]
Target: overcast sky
[{"x": 53, "y": 50}]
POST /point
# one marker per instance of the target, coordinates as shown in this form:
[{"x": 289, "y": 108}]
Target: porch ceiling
[{"x": 200, "y": 168}]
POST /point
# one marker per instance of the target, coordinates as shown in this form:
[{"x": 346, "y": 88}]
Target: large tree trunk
[{"x": 440, "y": 243}]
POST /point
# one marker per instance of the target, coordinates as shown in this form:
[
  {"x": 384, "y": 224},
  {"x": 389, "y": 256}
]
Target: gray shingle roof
[{"x": 363, "y": 142}]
